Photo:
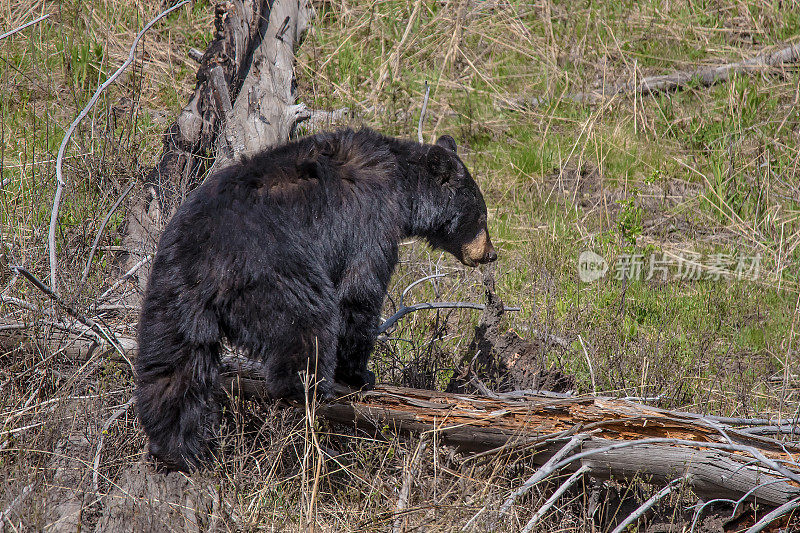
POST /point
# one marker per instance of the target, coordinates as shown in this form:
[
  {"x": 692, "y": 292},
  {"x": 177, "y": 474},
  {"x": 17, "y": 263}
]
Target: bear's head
[{"x": 463, "y": 231}]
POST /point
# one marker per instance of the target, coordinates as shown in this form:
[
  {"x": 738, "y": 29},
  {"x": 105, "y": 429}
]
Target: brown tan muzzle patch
[{"x": 479, "y": 250}]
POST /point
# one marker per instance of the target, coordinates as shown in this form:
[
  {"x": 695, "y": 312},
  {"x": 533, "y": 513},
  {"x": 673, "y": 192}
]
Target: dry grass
[{"x": 704, "y": 170}]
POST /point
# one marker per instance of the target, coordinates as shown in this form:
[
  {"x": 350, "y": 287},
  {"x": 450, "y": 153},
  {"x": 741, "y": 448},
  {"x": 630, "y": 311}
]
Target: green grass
[
  {"x": 714, "y": 141},
  {"x": 704, "y": 170}
]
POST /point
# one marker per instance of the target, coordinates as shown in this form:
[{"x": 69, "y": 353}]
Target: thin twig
[
  {"x": 422, "y": 113},
  {"x": 96, "y": 465},
  {"x": 417, "y": 282},
  {"x": 124, "y": 277},
  {"x": 589, "y": 362},
  {"x": 548, "y": 468},
  {"x": 551, "y": 501},
  {"x": 22, "y": 304},
  {"x": 736, "y": 503},
  {"x": 100, "y": 232},
  {"x": 51, "y": 237},
  {"x": 634, "y": 516},
  {"x": 31, "y": 23},
  {"x": 86, "y": 321},
  {"x": 774, "y": 515},
  {"x": 405, "y": 490}
]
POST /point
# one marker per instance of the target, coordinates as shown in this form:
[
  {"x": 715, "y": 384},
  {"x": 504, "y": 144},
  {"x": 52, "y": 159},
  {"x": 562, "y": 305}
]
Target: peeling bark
[
  {"x": 190, "y": 141},
  {"x": 265, "y": 112}
]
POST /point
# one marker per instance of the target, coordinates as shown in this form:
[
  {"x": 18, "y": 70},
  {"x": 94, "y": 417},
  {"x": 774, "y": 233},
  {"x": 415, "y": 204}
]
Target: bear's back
[
  {"x": 320, "y": 169},
  {"x": 308, "y": 201}
]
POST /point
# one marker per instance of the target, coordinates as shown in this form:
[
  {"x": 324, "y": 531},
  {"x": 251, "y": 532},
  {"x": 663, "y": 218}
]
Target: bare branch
[
  {"x": 22, "y": 304},
  {"x": 736, "y": 503},
  {"x": 785, "y": 429},
  {"x": 195, "y": 55},
  {"x": 108, "y": 335},
  {"x": 774, "y": 515},
  {"x": 422, "y": 113},
  {"x": 705, "y": 77},
  {"x": 634, "y": 516},
  {"x": 61, "y": 149},
  {"x": 100, "y": 232},
  {"x": 405, "y": 310},
  {"x": 551, "y": 501},
  {"x": 96, "y": 470},
  {"x": 548, "y": 468},
  {"x": 31, "y": 23},
  {"x": 405, "y": 490},
  {"x": 146, "y": 259}
]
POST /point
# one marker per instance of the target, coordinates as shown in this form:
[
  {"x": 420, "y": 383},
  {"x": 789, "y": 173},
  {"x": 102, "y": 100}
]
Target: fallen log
[
  {"x": 663, "y": 445},
  {"x": 620, "y": 439},
  {"x": 704, "y": 77}
]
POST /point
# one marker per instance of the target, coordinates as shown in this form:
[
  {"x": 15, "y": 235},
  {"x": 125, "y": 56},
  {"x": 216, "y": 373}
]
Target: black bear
[{"x": 288, "y": 256}]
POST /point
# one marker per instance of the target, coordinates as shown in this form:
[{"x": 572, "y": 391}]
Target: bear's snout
[{"x": 479, "y": 250}]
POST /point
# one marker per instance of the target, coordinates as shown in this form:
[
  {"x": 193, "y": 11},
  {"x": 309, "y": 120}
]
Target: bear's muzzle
[{"x": 479, "y": 250}]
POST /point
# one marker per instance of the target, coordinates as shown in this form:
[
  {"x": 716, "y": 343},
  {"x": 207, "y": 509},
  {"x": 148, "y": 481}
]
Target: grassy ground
[{"x": 708, "y": 176}]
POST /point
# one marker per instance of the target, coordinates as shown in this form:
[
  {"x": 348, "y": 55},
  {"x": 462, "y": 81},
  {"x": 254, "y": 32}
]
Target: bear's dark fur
[{"x": 288, "y": 256}]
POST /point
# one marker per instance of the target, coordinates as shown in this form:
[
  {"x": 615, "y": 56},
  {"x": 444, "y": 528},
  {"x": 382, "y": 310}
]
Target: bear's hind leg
[
  {"x": 178, "y": 407},
  {"x": 287, "y": 344},
  {"x": 301, "y": 351}
]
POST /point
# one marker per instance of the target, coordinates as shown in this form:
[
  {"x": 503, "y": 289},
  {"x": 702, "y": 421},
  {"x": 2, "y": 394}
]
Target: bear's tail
[{"x": 176, "y": 398}]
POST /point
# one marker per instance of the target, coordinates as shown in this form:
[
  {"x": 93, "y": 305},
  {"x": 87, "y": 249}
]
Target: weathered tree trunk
[
  {"x": 245, "y": 89},
  {"x": 190, "y": 141},
  {"x": 476, "y": 423},
  {"x": 265, "y": 113}
]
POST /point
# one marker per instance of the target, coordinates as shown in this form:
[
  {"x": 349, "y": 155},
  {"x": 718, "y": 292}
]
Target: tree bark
[
  {"x": 245, "y": 89},
  {"x": 265, "y": 113}
]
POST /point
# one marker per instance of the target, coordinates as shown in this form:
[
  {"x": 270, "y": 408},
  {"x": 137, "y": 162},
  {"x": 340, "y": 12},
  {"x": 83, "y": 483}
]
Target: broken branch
[
  {"x": 551, "y": 501},
  {"x": 634, "y": 516},
  {"x": 705, "y": 77},
  {"x": 51, "y": 236}
]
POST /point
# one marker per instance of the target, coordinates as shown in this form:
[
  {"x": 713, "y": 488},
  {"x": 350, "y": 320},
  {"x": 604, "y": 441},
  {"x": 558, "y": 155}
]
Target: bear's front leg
[{"x": 356, "y": 341}]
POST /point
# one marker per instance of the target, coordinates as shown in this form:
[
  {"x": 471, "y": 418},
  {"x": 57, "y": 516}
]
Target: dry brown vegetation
[{"x": 705, "y": 170}]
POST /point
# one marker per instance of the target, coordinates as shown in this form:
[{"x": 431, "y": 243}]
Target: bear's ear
[
  {"x": 440, "y": 163},
  {"x": 447, "y": 142}
]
